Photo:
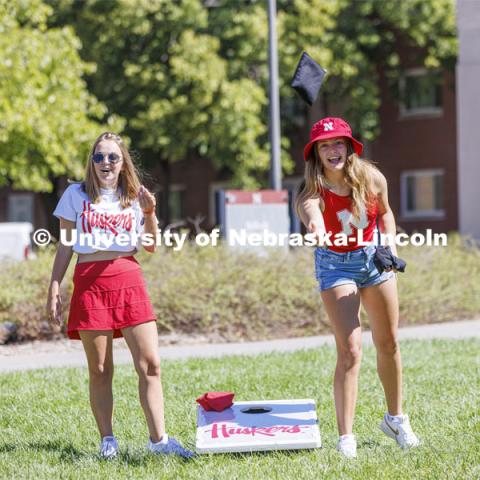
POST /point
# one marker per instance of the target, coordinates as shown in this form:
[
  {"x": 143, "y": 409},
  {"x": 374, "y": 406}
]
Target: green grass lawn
[{"x": 47, "y": 430}]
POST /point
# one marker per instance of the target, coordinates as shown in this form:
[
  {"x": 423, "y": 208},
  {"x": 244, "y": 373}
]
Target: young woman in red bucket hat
[
  {"x": 339, "y": 202},
  {"x": 104, "y": 216}
]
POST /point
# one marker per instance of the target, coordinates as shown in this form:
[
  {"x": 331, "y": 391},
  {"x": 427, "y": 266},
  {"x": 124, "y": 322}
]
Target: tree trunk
[{"x": 165, "y": 200}]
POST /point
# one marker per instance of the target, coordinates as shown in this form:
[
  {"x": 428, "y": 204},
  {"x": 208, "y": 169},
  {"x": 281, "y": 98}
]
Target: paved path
[{"x": 454, "y": 330}]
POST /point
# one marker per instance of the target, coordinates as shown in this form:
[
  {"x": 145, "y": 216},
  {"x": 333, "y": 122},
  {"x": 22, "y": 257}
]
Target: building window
[
  {"x": 20, "y": 207},
  {"x": 422, "y": 194},
  {"x": 176, "y": 203},
  {"x": 421, "y": 93}
]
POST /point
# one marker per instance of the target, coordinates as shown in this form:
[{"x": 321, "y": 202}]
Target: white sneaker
[
  {"x": 347, "y": 446},
  {"x": 169, "y": 446},
  {"x": 400, "y": 430},
  {"x": 109, "y": 447}
]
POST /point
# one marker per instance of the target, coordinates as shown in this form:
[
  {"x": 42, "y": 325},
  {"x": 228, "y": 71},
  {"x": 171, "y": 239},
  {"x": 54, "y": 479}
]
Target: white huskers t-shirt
[{"x": 100, "y": 226}]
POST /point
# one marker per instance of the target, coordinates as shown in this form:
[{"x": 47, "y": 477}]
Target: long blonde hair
[
  {"x": 359, "y": 176},
  {"x": 128, "y": 179}
]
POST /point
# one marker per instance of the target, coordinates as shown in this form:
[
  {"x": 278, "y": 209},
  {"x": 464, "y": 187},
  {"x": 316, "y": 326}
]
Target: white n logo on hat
[{"x": 327, "y": 126}]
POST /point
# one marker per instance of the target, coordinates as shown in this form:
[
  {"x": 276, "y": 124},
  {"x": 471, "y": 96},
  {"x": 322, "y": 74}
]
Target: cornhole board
[{"x": 259, "y": 426}]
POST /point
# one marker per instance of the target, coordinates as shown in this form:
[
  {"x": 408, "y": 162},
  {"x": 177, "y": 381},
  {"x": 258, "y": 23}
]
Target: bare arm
[
  {"x": 385, "y": 214},
  {"x": 60, "y": 265},
  {"x": 311, "y": 215}
]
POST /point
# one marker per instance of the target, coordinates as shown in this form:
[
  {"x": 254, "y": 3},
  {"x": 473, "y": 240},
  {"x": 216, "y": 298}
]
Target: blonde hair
[
  {"x": 359, "y": 176},
  {"x": 128, "y": 179}
]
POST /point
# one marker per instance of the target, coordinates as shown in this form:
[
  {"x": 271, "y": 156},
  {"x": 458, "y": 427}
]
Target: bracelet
[{"x": 148, "y": 212}]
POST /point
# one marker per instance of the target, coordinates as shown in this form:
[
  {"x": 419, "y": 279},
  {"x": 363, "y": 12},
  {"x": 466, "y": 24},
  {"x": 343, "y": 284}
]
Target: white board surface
[{"x": 279, "y": 425}]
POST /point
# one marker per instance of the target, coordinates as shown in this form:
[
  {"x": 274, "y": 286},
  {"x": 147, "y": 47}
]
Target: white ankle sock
[
  {"x": 347, "y": 436},
  {"x": 163, "y": 441},
  {"x": 395, "y": 417}
]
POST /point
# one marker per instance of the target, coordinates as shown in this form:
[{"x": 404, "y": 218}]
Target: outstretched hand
[{"x": 314, "y": 227}]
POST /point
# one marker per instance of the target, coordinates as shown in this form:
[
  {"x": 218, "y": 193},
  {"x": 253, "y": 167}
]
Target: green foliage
[
  {"x": 354, "y": 39},
  {"x": 191, "y": 76},
  {"x": 242, "y": 296},
  {"x": 48, "y": 430},
  {"x": 441, "y": 283},
  {"x": 159, "y": 66},
  {"x": 46, "y": 111}
]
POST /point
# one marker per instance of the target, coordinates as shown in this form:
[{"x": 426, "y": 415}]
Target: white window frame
[
  {"x": 416, "y": 112},
  {"x": 419, "y": 214}
]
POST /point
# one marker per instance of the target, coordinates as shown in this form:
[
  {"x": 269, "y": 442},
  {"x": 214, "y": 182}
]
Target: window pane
[
  {"x": 176, "y": 204},
  {"x": 423, "y": 91},
  {"x": 424, "y": 193},
  {"x": 20, "y": 207},
  {"x": 410, "y": 193},
  {"x": 439, "y": 192}
]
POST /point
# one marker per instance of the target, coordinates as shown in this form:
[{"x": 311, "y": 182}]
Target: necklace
[{"x": 339, "y": 189}]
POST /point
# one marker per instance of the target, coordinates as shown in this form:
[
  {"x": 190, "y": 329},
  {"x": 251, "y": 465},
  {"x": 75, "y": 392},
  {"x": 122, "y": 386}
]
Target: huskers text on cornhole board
[{"x": 254, "y": 426}]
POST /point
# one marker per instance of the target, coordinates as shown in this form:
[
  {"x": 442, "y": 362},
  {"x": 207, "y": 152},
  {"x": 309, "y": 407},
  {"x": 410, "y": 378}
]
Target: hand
[
  {"x": 313, "y": 227},
  {"x": 146, "y": 201},
  {"x": 54, "y": 304}
]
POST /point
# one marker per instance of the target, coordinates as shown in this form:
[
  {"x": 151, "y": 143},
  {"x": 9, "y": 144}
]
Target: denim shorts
[{"x": 355, "y": 268}]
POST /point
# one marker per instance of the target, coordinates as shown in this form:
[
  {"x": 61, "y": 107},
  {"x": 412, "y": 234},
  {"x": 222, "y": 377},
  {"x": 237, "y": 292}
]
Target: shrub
[{"x": 233, "y": 295}]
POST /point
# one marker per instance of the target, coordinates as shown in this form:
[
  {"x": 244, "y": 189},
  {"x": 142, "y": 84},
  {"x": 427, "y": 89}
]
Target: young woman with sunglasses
[
  {"x": 342, "y": 196},
  {"x": 107, "y": 212}
]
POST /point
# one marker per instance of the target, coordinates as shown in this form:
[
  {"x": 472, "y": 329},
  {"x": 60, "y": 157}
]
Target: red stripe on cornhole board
[{"x": 256, "y": 197}]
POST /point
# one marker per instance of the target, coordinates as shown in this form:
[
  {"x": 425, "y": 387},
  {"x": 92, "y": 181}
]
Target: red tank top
[{"x": 339, "y": 219}]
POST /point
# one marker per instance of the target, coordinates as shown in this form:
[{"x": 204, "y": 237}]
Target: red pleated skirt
[{"x": 108, "y": 295}]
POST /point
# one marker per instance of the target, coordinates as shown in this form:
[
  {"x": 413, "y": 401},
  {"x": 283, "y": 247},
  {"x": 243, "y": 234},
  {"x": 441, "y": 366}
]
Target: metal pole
[{"x": 274, "y": 105}]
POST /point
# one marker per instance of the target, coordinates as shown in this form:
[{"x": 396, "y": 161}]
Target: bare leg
[
  {"x": 342, "y": 305},
  {"x": 381, "y": 305},
  {"x": 98, "y": 348},
  {"x": 143, "y": 343}
]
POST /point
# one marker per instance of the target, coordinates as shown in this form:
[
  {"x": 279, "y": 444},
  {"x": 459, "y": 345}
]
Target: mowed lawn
[{"x": 47, "y": 430}]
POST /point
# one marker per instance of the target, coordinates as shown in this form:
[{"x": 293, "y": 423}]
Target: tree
[
  {"x": 161, "y": 68},
  {"x": 354, "y": 39},
  {"x": 47, "y": 115},
  {"x": 191, "y": 77}
]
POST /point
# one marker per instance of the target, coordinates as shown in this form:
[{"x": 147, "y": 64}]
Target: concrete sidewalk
[{"x": 453, "y": 330}]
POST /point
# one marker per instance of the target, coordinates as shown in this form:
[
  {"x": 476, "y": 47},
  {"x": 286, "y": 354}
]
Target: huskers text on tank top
[{"x": 342, "y": 224}]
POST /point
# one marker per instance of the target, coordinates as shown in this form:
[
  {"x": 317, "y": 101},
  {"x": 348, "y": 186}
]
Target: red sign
[{"x": 259, "y": 197}]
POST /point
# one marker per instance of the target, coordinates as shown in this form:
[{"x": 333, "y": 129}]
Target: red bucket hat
[{"x": 331, "y": 127}]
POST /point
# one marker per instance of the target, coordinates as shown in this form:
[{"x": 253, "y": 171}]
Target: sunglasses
[{"x": 112, "y": 157}]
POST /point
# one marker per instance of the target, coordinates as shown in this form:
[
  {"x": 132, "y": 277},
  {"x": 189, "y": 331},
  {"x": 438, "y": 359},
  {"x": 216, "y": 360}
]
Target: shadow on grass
[
  {"x": 68, "y": 453},
  {"x": 260, "y": 453},
  {"x": 368, "y": 444},
  {"x": 7, "y": 447},
  {"x": 66, "y": 450}
]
